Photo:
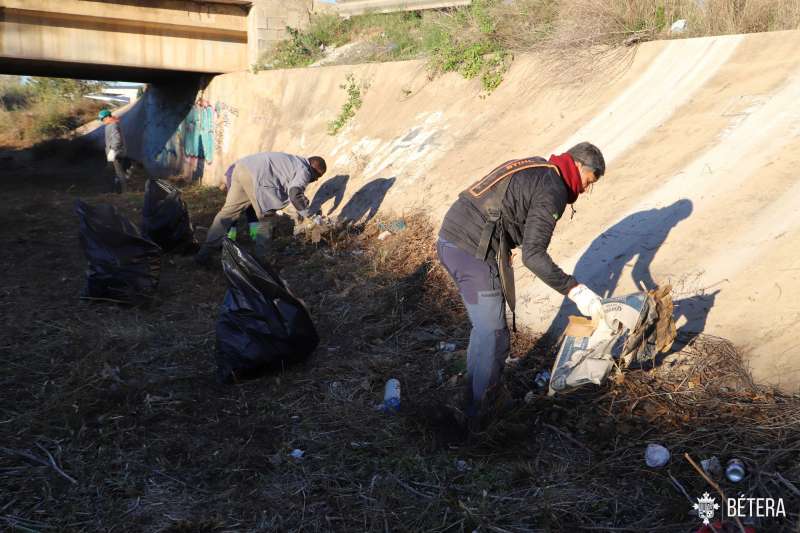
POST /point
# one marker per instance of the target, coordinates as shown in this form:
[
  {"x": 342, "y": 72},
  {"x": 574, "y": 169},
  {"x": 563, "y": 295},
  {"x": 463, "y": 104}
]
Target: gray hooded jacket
[{"x": 276, "y": 176}]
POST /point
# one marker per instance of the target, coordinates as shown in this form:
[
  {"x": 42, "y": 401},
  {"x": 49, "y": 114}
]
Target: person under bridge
[{"x": 517, "y": 204}]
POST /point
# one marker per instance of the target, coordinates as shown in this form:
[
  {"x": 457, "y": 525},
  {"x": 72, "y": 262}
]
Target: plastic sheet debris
[
  {"x": 297, "y": 453},
  {"x": 165, "y": 218},
  {"x": 123, "y": 265},
  {"x": 679, "y": 26},
  {"x": 636, "y": 327},
  {"x": 262, "y": 325}
]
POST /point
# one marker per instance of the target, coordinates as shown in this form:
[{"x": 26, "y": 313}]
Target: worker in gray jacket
[
  {"x": 115, "y": 149},
  {"x": 268, "y": 182}
]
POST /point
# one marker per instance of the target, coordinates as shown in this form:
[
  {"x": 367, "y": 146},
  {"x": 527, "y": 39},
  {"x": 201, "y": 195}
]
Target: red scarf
[{"x": 570, "y": 174}]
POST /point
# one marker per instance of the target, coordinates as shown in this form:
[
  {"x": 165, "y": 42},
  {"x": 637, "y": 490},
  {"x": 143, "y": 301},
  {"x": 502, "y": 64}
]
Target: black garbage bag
[
  {"x": 262, "y": 326},
  {"x": 165, "y": 218},
  {"x": 123, "y": 265}
]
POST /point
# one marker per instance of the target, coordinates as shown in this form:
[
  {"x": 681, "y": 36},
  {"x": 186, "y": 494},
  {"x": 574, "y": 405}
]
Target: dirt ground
[{"x": 111, "y": 419}]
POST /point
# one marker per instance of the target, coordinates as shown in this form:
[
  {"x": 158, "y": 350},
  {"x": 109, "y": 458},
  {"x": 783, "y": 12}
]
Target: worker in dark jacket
[
  {"x": 116, "y": 152},
  {"x": 517, "y": 204},
  {"x": 267, "y": 182}
]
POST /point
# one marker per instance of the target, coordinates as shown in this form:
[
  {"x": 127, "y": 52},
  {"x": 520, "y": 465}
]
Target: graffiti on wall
[
  {"x": 222, "y": 132},
  {"x": 204, "y": 132}
]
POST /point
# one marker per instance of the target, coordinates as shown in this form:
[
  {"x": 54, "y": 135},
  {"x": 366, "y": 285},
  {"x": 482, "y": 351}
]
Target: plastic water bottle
[
  {"x": 232, "y": 233},
  {"x": 735, "y": 470},
  {"x": 446, "y": 346},
  {"x": 391, "y": 396}
]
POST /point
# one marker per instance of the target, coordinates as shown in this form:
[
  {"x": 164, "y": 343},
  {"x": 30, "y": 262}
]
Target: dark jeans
[{"x": 489, "y": 341}]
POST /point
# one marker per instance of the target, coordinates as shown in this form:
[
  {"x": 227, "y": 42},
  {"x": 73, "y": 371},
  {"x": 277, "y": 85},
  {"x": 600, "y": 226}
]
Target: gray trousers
[
  {"x": 241, "y": 195},
  {"x": 489, "y": 341}
]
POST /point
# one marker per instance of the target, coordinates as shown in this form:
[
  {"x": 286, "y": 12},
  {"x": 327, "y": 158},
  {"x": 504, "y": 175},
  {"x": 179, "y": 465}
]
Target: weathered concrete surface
[
  {"x": 268, "y": 19},
  {"x": 702, "y": 138},
  {"x": 121, "y": 40}
]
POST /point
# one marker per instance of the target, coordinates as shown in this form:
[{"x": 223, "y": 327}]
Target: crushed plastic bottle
[
  {"x": 446, "y": 346},
  {"x": 391, "y": 396}
]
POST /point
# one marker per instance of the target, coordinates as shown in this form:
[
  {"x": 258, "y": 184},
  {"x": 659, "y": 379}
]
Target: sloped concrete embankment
[{"x": 702, "y": 139}]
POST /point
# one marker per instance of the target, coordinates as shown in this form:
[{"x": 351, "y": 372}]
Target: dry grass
[
  {"x": 42, "y": 120},
  {"x": 111, "y": 419},
  {"x": 586, "y": 23}
]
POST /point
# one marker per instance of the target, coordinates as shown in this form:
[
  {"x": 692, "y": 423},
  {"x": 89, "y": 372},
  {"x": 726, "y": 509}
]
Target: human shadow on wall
[
  {"x": 332, "y": 188},
  {"x": 695, "y": 310},
  {"x": 632, "y": 242},
  {"x": 364, "y": 204}
]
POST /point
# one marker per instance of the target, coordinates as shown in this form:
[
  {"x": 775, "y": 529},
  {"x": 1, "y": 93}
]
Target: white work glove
[
  {"x": 111, "y": 155},
  {"x": 589, "y": 303}
]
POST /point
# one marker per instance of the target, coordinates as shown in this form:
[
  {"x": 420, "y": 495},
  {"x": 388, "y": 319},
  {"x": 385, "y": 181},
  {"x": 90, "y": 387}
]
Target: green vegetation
[
  {"x": 42, "y": 108},
  {"x": 478, "y": 41},
  {"x": 349, "y": 108}
]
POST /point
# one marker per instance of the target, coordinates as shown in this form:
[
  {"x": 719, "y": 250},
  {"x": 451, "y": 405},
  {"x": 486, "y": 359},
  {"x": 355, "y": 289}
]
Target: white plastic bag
[{"x": 111, "y": 155}]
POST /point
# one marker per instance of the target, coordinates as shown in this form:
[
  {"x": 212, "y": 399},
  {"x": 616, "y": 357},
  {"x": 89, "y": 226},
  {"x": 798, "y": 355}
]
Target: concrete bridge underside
[{"x": 122, "y": 39}]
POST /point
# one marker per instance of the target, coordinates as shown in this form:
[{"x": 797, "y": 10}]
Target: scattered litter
[
  {"x": 446, "y": 346},
  {"x": 391, "y": 396},
  {"x": 395, "y": 226},
  {"x": 462, "y": 465},
  {"x": 656, "y": 455},
  {"x": 542, "y": 379},
  {"x": 384, "y": 235},
  {"x": 735, "y": 470},
  {"x": 297, "y": 453},
  {"x": 440, "y": 376},
  {"x": 679, "y": 26},
  {"x": 529, "y": 397},
  {"x": 712, "y": 466},
  {"x": 635, "y": 328}
]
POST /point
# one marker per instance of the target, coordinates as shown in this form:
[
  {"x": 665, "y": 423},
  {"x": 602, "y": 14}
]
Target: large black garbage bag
[
  {"x": 165, "y": 218},
  {"x": 123, "y": 265},
  {"x": 262, "y": 326}
]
